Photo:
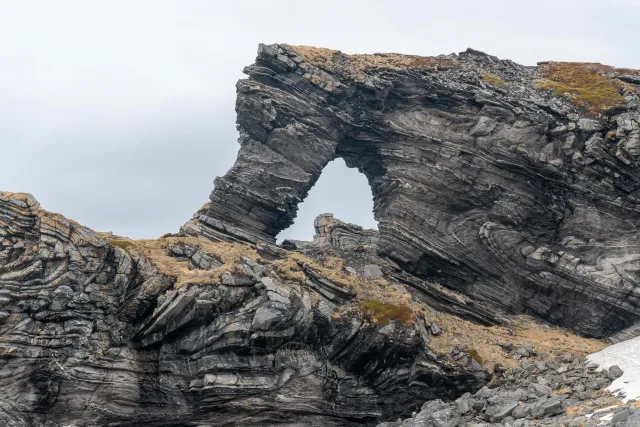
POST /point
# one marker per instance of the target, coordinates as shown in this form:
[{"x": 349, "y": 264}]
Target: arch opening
[{"x": 340, "y": 190}]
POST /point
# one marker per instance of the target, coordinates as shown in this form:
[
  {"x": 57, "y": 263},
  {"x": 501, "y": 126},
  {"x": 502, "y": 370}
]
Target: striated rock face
[
  {"x": 98, "y": 331},
  {"x": 486, "y": 178},
  {"x": 517, "y": 186},
  {"x": 347, "y": 237}
]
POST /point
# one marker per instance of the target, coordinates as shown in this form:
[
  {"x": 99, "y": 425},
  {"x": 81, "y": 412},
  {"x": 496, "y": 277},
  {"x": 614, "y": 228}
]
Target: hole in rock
[{"x": 341, "y": 191}]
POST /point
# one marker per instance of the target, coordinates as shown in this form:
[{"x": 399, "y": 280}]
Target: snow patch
[{"x": 627, "y": 356}]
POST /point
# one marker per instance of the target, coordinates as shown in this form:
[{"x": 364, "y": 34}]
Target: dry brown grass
[
  {"x": 480, "y": 341},
  {"x": 354, "y": 65},
  {"x": 485, "y": 340},
  {"x": 156, "y": 251},
  {"x": 379, "y": 312},
  {"x": 288, "y": 268},
  {"x": 583, "y": 84},
  {"x": 575, "y": 410},
  {"x": 493, "y": 80},
  {"x": 380, "y": 292},
  {"x": 626, "y": 72},
  {"x": 564, "y": 390},
  {"x": 331, "y": 268}
]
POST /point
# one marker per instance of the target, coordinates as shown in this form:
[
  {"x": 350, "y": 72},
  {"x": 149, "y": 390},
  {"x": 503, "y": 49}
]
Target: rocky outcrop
[
  {"x": 493, "y": 196},
  {"x": 535, "y": 394},
  {"x": 356, "y": 247},
  {"x": 517, "y": 186},
  {"x": 97, "y": 331}
]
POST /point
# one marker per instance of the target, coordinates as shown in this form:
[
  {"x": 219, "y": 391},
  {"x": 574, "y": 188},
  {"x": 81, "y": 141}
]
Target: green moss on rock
[{"x": 379, "y": 312}]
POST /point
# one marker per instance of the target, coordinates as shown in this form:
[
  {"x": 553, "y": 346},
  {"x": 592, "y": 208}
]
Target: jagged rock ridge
[{"x": 515, "y": 185}]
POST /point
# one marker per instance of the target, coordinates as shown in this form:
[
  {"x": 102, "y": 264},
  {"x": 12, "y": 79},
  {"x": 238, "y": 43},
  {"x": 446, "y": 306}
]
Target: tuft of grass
[
  {"x": 331, "y": 268},
  {"x": 475, "y": 356},
  {"x": 157, "y": 252},
  {"x": 379, "y": 312},
  {"x": 575, "y": 410},
  {"x": 124, "y": 244},
  {"x": 493, "y": 80},
  {"x": 583, "y": 84}
]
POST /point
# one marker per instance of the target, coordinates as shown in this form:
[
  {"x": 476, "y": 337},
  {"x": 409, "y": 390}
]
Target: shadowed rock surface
[{"x": 515, "y": 185}]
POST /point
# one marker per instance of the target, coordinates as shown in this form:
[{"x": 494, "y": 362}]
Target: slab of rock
[{"x": 372, "y": 271}]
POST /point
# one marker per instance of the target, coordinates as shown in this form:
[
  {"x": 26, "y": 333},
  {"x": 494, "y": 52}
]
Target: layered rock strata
[
  {"x": 96, "y": 331},
  {"x": 509, "y": 185},
  {"x": 515, "y": 185}
]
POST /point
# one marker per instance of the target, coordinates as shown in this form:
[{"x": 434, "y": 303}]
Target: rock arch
[
  {"x": 492, "y": 189},
  {"x": 340, "y": 190}
]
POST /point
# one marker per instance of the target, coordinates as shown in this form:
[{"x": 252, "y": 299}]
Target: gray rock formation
[
  {"x": 536, "y": 394},
  {"x": 342, "y": 236},
  {"x": 483, "y": 180},
  {"x": 484, "y": 175},
  {"x": 92, "y": 333}
]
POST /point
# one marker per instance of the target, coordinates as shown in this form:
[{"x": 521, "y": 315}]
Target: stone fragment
[
  {"x": 620, "y": 416},
  {"x": 615, "y": 372},
  {"x": 502, "y": 412},
  {"x": 435, "y": 329},
  {"x": 372, "y": 271}
]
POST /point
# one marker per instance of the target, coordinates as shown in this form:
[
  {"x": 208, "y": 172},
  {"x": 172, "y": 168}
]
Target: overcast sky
[{"x": 119, "y": 114}]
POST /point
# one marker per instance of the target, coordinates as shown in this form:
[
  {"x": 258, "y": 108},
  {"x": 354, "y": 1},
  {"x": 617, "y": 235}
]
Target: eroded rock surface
[
  {"x": 95, "y": 332},
  {"x": 515, "y": 185},
  {"x": 514, "y": 199}
]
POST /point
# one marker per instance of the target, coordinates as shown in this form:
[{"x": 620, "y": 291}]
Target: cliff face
[
  {"x": 517, "y": 186},
  {"x": 100, "y": 330},
  {"x": 495, "y": 194}
]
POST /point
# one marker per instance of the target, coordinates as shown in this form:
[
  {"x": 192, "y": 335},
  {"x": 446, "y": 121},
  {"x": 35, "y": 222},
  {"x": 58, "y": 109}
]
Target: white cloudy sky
[{"x": 119, "y": 114}]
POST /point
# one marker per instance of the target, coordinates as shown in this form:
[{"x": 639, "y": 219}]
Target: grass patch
[
  {"x": 485, "y": 341},
  {"x": 157, "y": 252},
  {"x": 331, "y": 268},
  {"x": 379, "y": 312},
  {"x": 355, "y": 67},
  {"x": 583, "y": 84},
  {"x": 288, "y": 269},
  {"x": 493, "y": 80},
  {"x": 575, "y": 410},
  {"x": 475, "y": 356}
]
